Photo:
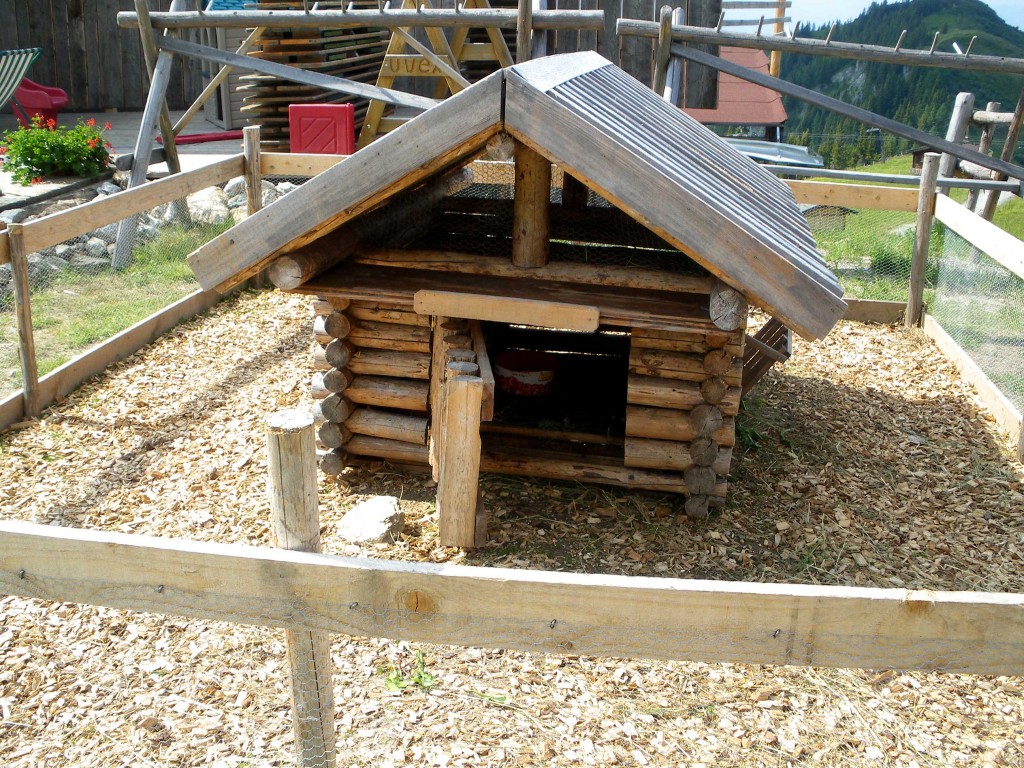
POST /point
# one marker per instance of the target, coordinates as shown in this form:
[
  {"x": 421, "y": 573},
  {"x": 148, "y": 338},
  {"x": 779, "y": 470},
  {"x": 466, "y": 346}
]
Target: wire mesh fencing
[
  {"x": 980, "y": 304},
  {"x": 869, "y": 250}
]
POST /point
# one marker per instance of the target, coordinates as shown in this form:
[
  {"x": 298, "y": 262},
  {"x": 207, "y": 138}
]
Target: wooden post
[
  {"x": 524, "y": 31},
  {"x": 458, "y": 482},
  {"x": 775, "y": 62},
  {"x": 925, "y": 215},
  {"x": 963, "y": 108},
  {"x": 295, "y": 525},
  {"x": 985, "y": 145},
  {"x": 530, "y": 211},
  {"x": 151, "y": 53},
  {"x": 664, "y": 50},
  {"x": 701, "y": 88},
  {"x": 253, "y": 183},
  {"x": 991, "y": 198},
  {"x": 23, "y": 309}
]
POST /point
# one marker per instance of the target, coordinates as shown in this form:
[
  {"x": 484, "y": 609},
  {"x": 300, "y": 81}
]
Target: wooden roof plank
[
  {"x": 797, "y": 289},
  {"x": 456, "y": 128}
]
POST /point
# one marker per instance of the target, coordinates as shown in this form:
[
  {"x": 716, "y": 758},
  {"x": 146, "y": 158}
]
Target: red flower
[
  {"x": 108, "y": 145},
  {"x": 91, "y": 122},
  {"x": 93, "y": 143},
  {"x": 38, "y": 180},
  {"x": 3, "y": 150},
  {"x": 106, "y": 126}
]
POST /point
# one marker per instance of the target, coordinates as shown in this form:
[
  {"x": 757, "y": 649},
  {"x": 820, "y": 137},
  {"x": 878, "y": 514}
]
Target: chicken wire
[
  {"x": 869, "y": 250},
  {"x": 980, "y": 304},
  {"x": 91, "y": 287}
]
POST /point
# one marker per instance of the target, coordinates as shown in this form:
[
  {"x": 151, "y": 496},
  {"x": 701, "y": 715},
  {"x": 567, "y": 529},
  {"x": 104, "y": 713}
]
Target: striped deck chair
[{"x": 14, "y": 65}]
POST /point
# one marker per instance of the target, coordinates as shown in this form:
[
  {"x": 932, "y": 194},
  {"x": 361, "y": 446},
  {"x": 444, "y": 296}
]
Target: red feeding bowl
[{"x": 525, "y": 372}]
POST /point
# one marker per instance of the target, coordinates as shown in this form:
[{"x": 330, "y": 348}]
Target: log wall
[{"x": 682, "y": 397}]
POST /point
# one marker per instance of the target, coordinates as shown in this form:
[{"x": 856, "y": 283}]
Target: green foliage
[
  {"x": 32, "y": 154},
  {"x": 396, "y": 680},
  {"x": 918, "y": 96}
]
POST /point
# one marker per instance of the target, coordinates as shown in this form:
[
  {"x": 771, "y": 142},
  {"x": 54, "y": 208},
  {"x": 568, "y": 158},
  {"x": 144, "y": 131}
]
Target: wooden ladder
[
  {"x": 772, "y": 344},
  {"x": 407, "y": 56}
]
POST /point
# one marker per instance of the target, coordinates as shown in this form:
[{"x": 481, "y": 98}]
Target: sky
[{"x": 822, "y": 11}]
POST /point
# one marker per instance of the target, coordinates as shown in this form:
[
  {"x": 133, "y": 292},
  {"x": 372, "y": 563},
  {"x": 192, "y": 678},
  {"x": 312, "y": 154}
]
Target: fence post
[
  {"x": 295, "y": 525},
  {"x": 925, "y": 215},
  {"x": 253, "y": 182},
  {"x": 959, "y": 121},
  {"x": 23, "y": 308}
]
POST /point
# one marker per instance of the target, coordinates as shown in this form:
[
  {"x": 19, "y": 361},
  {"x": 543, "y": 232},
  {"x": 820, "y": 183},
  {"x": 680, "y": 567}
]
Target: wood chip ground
[{"x": 866, "y": 462}]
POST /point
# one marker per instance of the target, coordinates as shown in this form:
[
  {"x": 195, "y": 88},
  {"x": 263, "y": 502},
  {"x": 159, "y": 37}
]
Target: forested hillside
[{"x": 921, "y": 97}]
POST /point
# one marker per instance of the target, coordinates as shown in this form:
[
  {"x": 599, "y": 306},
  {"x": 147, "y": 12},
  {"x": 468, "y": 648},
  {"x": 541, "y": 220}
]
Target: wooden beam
[
  {"x": 854, "y": 195},
  {"x": 455, "y": 129},
  {"x": 988, "y": 205},
  {"x": 298, "y": 164},
  {"x": 850, "y": 111},
  {"x": 1002, "y": 247},
  {"x": 874, "y": 311},
  {"x": 490, "y": 18},
  {"x": 64, "y": 225},
  {"x": 810, "y": 46},
  {"x": 904, "y": 179},
  {"x": 23, "y": 314},
  {"x": 459, "y": 470},
  {"x": 959, "y": 121},
  {"x": 294, "y": 74},
  {"x": 535, "y": 611},
  {"x": 531, "y": 208},
  {"x": 503, "y": 309}
]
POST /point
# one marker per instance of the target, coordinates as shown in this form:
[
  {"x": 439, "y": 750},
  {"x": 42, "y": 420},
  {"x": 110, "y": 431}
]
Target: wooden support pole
[
  {"x": 664, "y": 50},
  {"x": 925, "y": 215},
  {"x": 985, "y": 145},
  {"x": 530, "y": 215},
  {"x": 988, "y": 205},
  {"x": 960, "y": 118},
  {"x": 253, "y": 182},
  {"x": 775, "y": 62},
  {"x": 524, "y": 31},
  {"x": 152, "y": 55},
  {"x": 23, "y": 310},
  {"x": 458, "y": 483},
  {"x": 295, "y": 525}
]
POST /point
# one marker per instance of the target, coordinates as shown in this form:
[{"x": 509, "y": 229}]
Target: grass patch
[{"x": 78, "y": 309}]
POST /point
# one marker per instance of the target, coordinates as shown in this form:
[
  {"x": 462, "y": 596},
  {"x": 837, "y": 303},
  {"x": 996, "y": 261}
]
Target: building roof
[
  {"x": 741, "y": 102},
  {"x": 604, "y": 128}
]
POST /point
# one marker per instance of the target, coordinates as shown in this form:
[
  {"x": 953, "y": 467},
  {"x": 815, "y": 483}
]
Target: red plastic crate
[{"x": 322, "y": 129}]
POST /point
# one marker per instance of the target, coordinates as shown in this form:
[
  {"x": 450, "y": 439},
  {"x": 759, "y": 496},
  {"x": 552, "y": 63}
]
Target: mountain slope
[{"x": 921, "y": 97}]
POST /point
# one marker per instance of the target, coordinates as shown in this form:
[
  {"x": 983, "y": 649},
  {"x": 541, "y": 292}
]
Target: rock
[
  {"x": 208, "y": 206},
  {"x": 235, "y": 187},
  {"x": 178, "y": 212},
  {"x": 107, "y": 234},
  {"x": 238, "y": 215},
  {"x": 146, "y": 231},
  {"x": 269, "y": 193},
  {"x": 108, "y": 188},
  {"x": 285, "y": 187},
  {"x": 14, "y": 216},
  {"x": 236, "y": 202},
  {"x": 63, "y": 251},
  {"x": 5, "y": 275},
  {"x": 81, "y": 263},
  {"x": 96, "y": 247},
  {"x": 376, "y": 520}
]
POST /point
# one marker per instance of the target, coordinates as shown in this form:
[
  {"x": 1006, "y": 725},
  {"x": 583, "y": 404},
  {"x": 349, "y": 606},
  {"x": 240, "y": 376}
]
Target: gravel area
[{"x": 866, "y": 461}]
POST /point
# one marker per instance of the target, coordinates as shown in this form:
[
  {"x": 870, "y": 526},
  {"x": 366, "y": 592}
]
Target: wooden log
[
  {"x": 438, "y": 360},
  {"x": 335, "y": 408},
  {"x": 668, "y": 424},
  {"x": 706, "y": 419},
  {"x": 393, "y": 450},
  {"x": 696, "y": 507},
  {"x": 23, "y": 312},
  {"x": 686, "y": 366},
  {"x": 460, "y": 356},
  {"x": 704, "y": 452},
  {"x": 295, "y": 525},
  {"x": 483, "y": 359},
  {"x": 293, "y": 269},
  {"x": 458, "y": 486},
  {"x": 587, "y": 472},
  {"x": 675, "y": 341},
  {"x": 317, "y": 389},
  {"x": 388, "y": 393},
  {"x": 922, "y": 238},
  {"x": 461, "y": 368},
  {"x": 389, "y": 425},
  {"x": 672, "y": 393},
  {"x": 700, "y": 481},
  {"x": 383, "y": 313},
  {"x": 575, "y": 194},
  {"x": 959, "y": 121},
  {"x": 337, "y": 380},
  {"x": 337, "y": 325},
  {"x": 333, "y": 462},
  {"x": 505, "y": 309},
  {"x": 671, "y": 456},
  {"x": 530, "y": 219},
  {"x": 333, "y": 435},
  {"x": 714, "y": 390},
  {"x": 320, "y": 360},
  {"x": 458, "y": 341},
  {"x": 400, "y": 338},
  {"x": 728, "y": 307},
  {"x": 386, "y": 362},
  {"x": 338, "y": 353},
  {"x": 322, "y": 306}
]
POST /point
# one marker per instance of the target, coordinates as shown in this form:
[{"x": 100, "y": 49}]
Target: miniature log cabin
[{"x": 577, "y": 313}]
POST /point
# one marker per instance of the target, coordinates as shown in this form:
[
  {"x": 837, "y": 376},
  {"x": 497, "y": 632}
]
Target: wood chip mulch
[{"x": 865, "y": 462}]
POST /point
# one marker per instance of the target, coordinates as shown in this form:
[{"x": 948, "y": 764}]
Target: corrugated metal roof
[
  {"x": 741, "y": 102},
  {"x": 721, "y": 208}
]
